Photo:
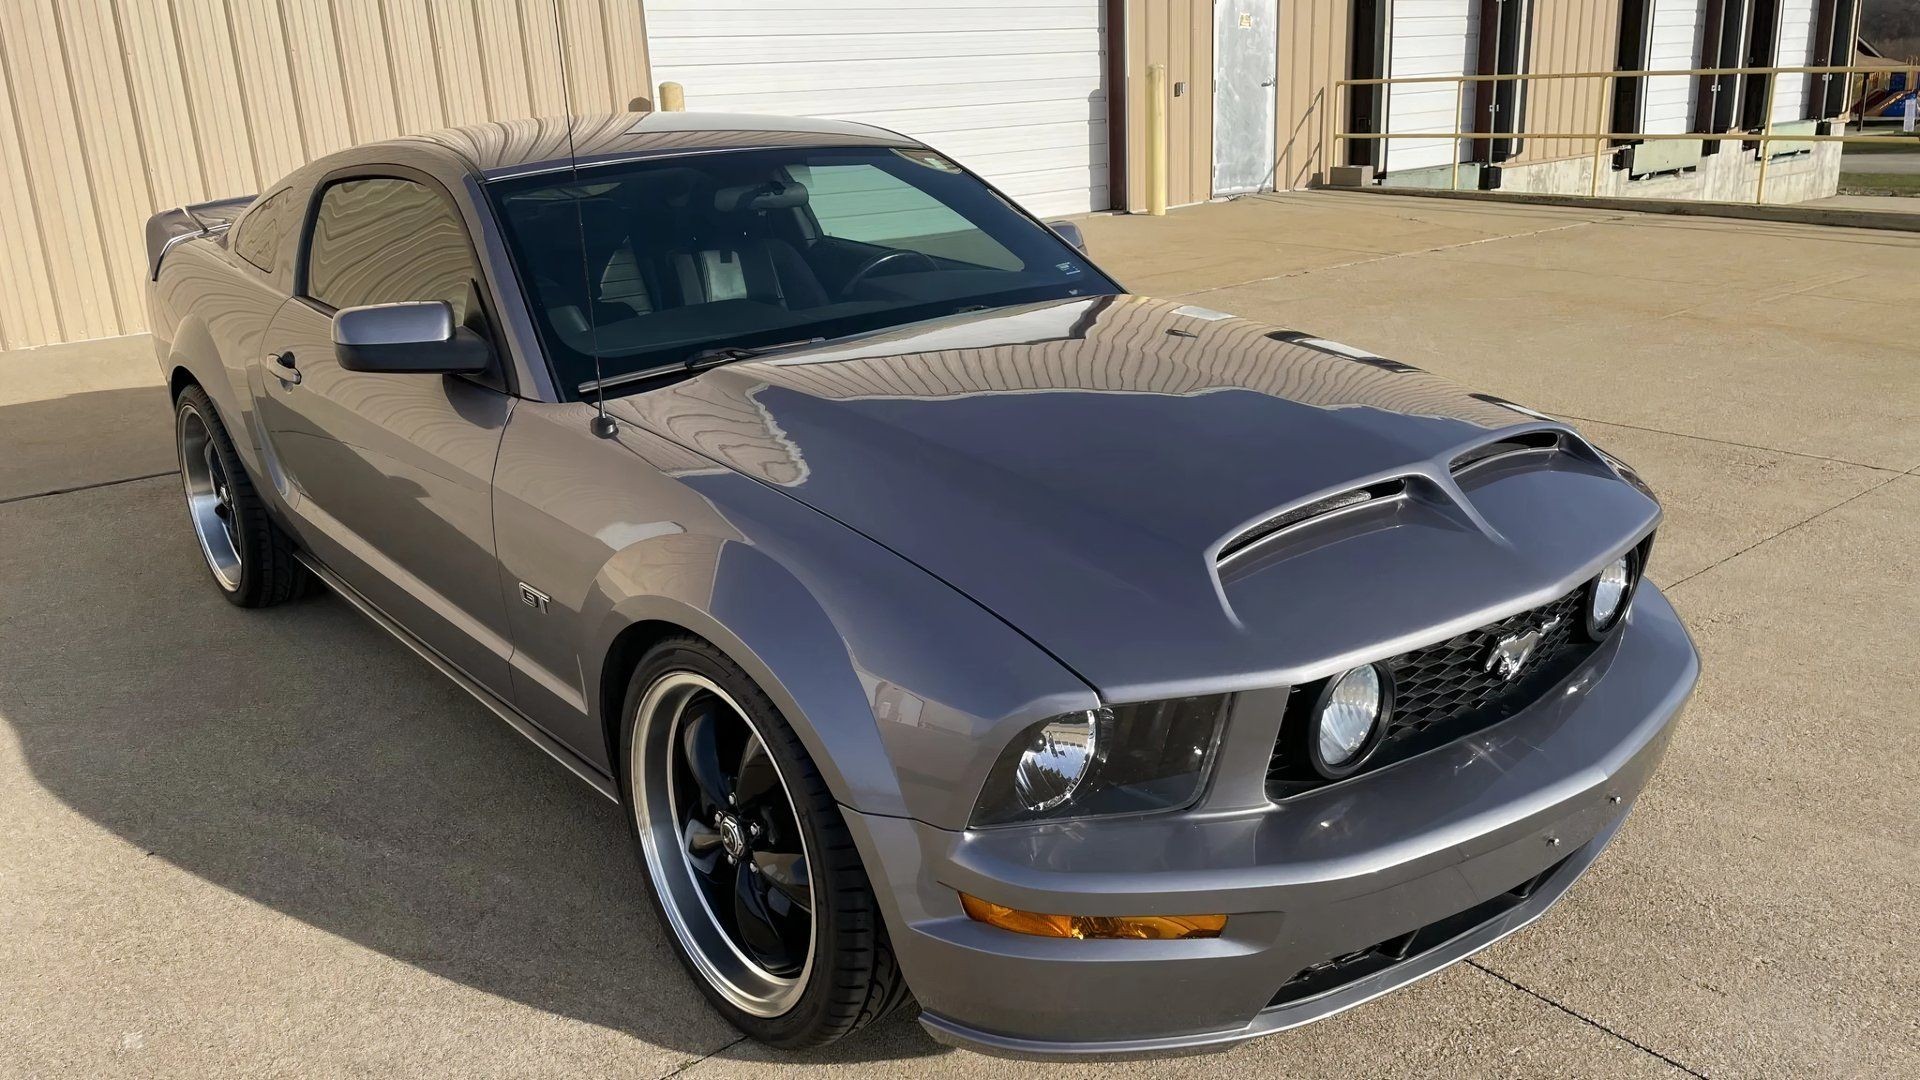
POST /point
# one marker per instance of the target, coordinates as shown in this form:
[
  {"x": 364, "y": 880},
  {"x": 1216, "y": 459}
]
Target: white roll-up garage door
[
  {"x": 1013, "y": 89},
  {"x": 1673, "y": 43},
  {"x": 1796, "y": 50},
  {"x": 1429, "y": 37}
]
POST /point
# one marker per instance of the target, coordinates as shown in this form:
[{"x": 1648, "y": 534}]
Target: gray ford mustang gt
[{"x": 1105, "y": 675}]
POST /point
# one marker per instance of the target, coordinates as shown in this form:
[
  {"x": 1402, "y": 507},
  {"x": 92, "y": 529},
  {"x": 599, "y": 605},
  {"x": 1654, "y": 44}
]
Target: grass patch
[
  {"x": 1853, "y": 183},
  {"x": 1852, "y": 149},
  {"x": 1882, "y": 128}
]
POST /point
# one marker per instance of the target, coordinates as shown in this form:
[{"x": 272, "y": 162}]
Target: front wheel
[{"x": 750, "y": 865}]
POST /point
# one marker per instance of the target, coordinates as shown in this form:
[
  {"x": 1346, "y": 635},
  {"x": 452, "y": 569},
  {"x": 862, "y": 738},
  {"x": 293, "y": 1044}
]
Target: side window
[
  {"x": 382, "y": 241},
  {"x": 258, "y": 238},
  {"x": 865, "y": 203}
]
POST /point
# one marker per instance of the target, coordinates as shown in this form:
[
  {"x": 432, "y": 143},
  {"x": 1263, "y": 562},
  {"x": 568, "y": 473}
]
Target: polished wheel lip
[
  {"x": 719, "y": 959},
  {"x": 209, "y": 498}
]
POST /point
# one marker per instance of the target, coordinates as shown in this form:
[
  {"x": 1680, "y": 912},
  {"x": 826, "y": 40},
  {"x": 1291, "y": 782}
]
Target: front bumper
[{"x": 1432, "y": 847}]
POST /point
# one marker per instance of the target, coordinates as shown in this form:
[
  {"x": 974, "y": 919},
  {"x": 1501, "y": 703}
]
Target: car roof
[{"x": 518, "y": 147}]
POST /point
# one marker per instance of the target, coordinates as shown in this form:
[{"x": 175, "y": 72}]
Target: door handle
[{"x": 284, "y": 369}]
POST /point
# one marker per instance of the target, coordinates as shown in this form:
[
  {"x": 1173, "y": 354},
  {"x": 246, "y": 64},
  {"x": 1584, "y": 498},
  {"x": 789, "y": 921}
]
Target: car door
[{"x": 389, "y": 476}]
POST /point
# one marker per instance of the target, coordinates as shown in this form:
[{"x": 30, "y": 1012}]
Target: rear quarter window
[{"x": 265, "y": 227}]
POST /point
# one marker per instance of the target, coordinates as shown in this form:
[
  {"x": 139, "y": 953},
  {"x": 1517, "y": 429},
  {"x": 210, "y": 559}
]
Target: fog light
[
  {"x": 1138, "y": 927},
  {"x": 1352, "y": 713},
  {"x": 1608, "y": 595}
]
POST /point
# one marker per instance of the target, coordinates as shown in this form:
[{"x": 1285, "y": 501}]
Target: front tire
[
  {"x": 748, "y": 861},
  {"x": 250, "y": 557}
]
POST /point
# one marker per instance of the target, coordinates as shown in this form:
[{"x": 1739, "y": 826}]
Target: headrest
[{"x": 772, "y": 195}]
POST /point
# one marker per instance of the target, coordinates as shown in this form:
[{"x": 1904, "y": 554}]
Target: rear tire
[
  {"x": 250, "y": 558},
  {"x": 685, "y": 695}
]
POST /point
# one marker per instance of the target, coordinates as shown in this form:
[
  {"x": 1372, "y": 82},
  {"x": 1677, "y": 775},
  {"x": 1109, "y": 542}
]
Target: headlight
[
  {"x": 1349, "y": 720},
  {"x": 1055, "y": 760},
  {"x": 1127, "y": 759}
]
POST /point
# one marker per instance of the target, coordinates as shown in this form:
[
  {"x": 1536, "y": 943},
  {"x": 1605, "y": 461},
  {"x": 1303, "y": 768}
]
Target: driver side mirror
[
  {"x": 1069, "y": 232},
  {"x": 414, "y": 338}
]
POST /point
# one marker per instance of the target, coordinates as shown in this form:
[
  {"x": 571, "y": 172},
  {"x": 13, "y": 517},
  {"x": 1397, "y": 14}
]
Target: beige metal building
[{"x": 112, "y": 109}]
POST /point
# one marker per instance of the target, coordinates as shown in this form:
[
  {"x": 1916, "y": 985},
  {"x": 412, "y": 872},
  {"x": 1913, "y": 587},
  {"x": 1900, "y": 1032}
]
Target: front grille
[
  {"x": 1445, "y": 691},
  {"x": 1441, "y": 683},
  {"x": 1329, "y": 975}
]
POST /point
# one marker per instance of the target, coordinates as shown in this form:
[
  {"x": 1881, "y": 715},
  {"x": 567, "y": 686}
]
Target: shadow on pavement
[
  {"x": 303, "y": 759},
  {"x": 125, "y": 433}
]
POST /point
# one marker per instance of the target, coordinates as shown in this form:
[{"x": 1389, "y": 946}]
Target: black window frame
[
  {"x": 566, "y": 389},
  {"x": 1499, "y": 107},
  {"x": 499, "y": 376}
]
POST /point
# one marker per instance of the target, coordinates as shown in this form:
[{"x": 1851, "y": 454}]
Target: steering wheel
[{"x": 867, "y": 268}]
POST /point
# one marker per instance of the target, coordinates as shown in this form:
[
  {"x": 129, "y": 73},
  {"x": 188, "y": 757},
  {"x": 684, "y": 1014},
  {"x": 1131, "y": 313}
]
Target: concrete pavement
[{"x": 276, "y": 843}]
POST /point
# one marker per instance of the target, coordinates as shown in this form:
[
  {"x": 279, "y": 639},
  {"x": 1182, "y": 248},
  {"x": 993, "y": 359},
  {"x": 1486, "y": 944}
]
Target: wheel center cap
[{"x": 733, "y": 837}]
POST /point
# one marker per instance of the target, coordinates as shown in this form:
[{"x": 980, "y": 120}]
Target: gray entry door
[{"x": 1245, "y": 60}]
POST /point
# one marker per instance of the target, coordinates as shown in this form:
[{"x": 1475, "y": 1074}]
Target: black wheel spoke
[
  {"x": 703, "y": 845},
  {"x": 700, "y": 746},
  {"x": 756, "y": 779},
  {"x": 786, "y": 874},
  {"x": 724, "y": 842},
  {"x": 759, "y": 933}
]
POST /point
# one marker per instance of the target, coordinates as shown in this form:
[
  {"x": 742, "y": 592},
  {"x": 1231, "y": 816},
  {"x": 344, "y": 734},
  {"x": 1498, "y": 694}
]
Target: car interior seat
[{"x": 734, "y": 254}]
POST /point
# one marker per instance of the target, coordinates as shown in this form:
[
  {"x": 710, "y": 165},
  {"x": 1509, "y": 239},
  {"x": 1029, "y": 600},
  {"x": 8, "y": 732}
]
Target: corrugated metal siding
[
  {"x": 1313, "y": 56},
  {"x": 1179, "y": 34},
  {"x": 112, "y": 109},
  {"x": 1570, "y": 35}
]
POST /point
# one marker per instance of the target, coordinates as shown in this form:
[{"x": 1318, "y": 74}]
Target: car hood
[{"x": 1080, "y": 467}]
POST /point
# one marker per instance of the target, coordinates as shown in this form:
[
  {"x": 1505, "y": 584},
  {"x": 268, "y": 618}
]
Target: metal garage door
[
  {"x": 1673, "y": 43},
  {"x": 1429, "y": 37},
  {"x": 1796, "y": 50},
  {"x": 1014, "y": 89}
]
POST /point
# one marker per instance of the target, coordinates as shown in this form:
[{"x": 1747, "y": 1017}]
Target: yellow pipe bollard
[
  {"x": 1600, "y": 144},
  {"x": 1459, "y": 100},
  {"x": 1766, "y": 145},
  {"x": 673, "y": 97},
  {"x": 1157, "y": 140}
]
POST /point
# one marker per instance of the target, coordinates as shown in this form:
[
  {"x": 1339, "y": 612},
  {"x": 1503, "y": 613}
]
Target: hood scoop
[
  {"x": 1301, "y": 522},
  {"x": 1528, "y": 449}
]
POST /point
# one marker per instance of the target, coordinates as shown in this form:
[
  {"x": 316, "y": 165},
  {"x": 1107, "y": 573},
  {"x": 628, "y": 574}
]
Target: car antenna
[{"x": 601, "y": 425}]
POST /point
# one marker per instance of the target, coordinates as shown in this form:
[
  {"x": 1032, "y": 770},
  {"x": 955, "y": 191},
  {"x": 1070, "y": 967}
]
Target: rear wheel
[
  {"x": 749, "y": 863},
  {"x": 251, "y": 559}
]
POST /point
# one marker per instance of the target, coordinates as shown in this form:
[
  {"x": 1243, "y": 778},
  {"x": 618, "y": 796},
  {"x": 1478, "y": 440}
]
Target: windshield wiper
[{"x": 693, "y": 362}]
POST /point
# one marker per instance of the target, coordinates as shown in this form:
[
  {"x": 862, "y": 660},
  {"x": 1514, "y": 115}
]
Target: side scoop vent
[
  {"x": 1316, "y": 512},
  {"x": 1504, "y": 450}
]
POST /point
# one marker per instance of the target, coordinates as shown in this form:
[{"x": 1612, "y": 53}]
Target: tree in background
[{"x": 1892, "y": 26}]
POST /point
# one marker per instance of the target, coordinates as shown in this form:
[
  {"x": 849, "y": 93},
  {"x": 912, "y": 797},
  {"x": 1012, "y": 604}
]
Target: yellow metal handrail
[{"x": 1603, "y": 137}]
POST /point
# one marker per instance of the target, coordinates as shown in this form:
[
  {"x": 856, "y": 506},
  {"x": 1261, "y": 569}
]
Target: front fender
[{"x": 901, "y": 689}]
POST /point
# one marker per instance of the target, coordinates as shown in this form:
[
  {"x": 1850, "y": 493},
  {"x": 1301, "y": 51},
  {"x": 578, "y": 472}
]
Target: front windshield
[{"x": 646, "y": 263}]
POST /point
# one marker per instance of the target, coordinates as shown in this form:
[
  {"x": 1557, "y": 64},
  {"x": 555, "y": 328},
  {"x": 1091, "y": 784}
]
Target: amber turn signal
[{"x": 1139, "y": 927}]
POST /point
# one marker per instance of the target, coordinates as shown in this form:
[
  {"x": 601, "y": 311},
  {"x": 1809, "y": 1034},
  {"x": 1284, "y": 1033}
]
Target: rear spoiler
[{"x": 170, "y": 227}]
